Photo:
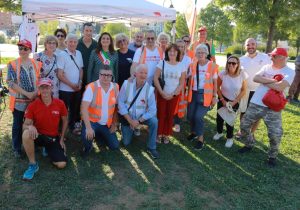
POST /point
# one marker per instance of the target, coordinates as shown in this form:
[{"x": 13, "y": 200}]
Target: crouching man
[
  {"x": 137, "y": 105},
  {"x": 41, "y": 128}
]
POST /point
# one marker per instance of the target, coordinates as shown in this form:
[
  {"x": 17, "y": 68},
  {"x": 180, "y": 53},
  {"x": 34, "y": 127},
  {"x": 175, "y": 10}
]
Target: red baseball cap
[
  {"x": 44, "y": 81},
  {"x": 202, "y": 28},
  {"x": 25, "y": 43},
  {"x": 279, "y": 51}
]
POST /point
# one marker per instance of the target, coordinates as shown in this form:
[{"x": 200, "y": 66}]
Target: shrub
[{"x": 2, "y": 39}]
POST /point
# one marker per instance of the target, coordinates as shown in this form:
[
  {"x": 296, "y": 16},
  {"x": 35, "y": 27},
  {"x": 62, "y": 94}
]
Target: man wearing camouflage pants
[{"x": 257, "y": 109}]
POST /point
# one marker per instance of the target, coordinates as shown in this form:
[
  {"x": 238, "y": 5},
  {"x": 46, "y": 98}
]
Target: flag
[{"x": 190, "y": 16}]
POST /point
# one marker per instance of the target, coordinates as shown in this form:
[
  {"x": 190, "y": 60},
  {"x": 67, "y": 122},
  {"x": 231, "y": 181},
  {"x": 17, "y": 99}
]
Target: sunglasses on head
[
  {"x": 23, "y": 48},
  {"x": 150, "y": 38},
  {"x": 60, "y": 35},
  {"x": 231, "y": 63}
]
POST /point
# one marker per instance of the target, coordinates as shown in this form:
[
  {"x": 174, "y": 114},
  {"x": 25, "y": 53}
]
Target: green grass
[
  {"x": 6, "y": 60},
  {"x": 214, "y": 178}
]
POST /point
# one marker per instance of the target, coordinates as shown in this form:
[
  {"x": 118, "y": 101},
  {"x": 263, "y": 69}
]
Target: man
[
  {"x": 41, "y": 128},
  {"x": 22, "y": 76},
  {"x": 257, "y": 109},
  {"x": 149, "y": 55},
  {"x": 202, "y": 38},
  {"x": 251, "y": 62},
  {"x": 85, "y": 45},
  {"x": 295, "y": 87},
  {"x": 70, "y": 74},
  {"x": 99, "y": 112},
  {"x": 138, "y": 41},
  {"x": 139, "y": 111}
]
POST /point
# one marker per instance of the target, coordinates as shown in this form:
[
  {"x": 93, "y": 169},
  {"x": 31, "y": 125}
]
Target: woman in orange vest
[
  {"x": 22, "y": 77},
  {"x": 202, "y": 93}
]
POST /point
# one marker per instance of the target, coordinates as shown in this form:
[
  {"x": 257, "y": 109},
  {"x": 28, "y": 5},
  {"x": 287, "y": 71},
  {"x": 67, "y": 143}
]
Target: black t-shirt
[{"x": 125, "y": 61}]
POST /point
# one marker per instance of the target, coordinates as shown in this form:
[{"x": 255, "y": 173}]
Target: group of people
[{"x": 94, "y": 90}]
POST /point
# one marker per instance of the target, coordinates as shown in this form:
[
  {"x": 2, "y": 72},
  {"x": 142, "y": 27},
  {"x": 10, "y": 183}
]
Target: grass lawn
[{"x": 214, "y": 178}]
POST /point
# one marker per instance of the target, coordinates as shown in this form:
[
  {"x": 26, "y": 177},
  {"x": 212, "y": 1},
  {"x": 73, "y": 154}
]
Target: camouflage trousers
[{"x": 273, "y": 122}]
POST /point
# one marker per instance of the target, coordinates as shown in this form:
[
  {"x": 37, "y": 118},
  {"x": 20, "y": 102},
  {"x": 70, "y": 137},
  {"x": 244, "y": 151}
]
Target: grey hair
[
  {"x": 202, "y": 47},
  {"x": 119, "y": 37},
  {"x": 140, "y": 67},
  {"x": 71, "y": 36},
  {"x": 163, "y": 34},
  {"x": 151, "y": 32}
]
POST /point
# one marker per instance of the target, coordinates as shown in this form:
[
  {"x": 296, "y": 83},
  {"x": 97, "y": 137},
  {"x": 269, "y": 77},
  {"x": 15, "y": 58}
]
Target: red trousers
[{"x": 165, "y": 114}]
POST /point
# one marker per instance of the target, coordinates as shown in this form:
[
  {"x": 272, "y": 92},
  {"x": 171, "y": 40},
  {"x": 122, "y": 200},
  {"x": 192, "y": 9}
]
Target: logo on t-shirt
[{"x": 55, "y": 112}]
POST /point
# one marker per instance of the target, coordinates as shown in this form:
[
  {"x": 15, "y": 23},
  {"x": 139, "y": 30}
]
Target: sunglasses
[
  {"x": 231, "y": 63},
  {"x": 186, "y": 41},
  {"x": 106, "y": 75},
  {"x": 150, "y": 38},
  {"x": 60, "y": 35},
  {"x": 23, "y": 48}
]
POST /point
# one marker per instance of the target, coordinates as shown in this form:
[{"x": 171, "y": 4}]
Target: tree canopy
[{"x": 14, "y": 6}]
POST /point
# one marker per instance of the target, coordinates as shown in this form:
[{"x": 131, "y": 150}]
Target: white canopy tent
[{"x": 102, "y": 11}]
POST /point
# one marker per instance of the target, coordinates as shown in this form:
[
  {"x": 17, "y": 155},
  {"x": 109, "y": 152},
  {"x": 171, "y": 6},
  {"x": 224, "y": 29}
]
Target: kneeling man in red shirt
[{"x": 41, "y": 128}]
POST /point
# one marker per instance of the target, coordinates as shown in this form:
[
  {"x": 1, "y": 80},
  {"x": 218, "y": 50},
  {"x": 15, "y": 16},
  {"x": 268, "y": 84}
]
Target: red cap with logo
[
  {"x": 44, "y": 81},
  {"x": 202, "y": 28},
  {"x": 25, "y": 43},
  {"x": 279, "y": 51}
]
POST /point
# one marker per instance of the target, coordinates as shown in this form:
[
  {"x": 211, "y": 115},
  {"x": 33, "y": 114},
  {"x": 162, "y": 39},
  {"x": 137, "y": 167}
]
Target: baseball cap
[
  {"x": 202, "y": 28},
  {"x": 279, "y": 51},
  {"x": 44, "y": 81},
  {"x": 25, "y": 43}
]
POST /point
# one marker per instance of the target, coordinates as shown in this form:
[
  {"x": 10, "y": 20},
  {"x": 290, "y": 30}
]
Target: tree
[
  {"x": 261, "y": 13},
  {"x": 180, "y": 26},
  {"x": 47, "y": 27},
  {"x": 115, "y": 28},
  {"x": 14, "y": 6}
]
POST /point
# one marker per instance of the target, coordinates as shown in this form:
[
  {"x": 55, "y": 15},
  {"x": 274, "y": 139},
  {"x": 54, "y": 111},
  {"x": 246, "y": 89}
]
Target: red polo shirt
[{"x": 46, "y": 118}]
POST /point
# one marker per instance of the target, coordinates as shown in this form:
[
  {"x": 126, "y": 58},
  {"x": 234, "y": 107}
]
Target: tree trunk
[
  {"x": 221, "y": 47},
  {"x": 271, "y": 31}
]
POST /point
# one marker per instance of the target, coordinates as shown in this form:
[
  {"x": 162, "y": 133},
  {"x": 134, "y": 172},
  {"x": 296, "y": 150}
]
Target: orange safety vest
[
  {"x": 182, "y": 103},
  {"x": 16, "y": 66},
  {"x": 212, "y": 68},
  {"x": 95, "y": 107},
  {"x": 190, "y": 53},
  {"x": 143, "y": 54}
]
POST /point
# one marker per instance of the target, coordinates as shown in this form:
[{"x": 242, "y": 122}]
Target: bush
[
  {"x": 2, "y": 39},
  {"x": 235, "y": 49}
]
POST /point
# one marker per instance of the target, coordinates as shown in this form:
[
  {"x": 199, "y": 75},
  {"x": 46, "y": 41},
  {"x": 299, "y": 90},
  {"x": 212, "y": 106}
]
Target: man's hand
[
  {"x": 113, "y": 128},
  {"x": 32, "y": 95},
  {"x": 62, "y": 143},
  {"x": 134, "y": 124},
  {"x": 214, "y": 101},
  {"x": 33, "y": 134},
  {"x": 90, "y": 134}
]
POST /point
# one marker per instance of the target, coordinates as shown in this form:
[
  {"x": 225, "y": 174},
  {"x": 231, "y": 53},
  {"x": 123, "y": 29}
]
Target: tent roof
[{"x": 103, "y": 11}]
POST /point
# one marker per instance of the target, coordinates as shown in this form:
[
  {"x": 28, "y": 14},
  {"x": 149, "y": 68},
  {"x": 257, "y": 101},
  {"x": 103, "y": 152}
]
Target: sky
[{"x": 179, "y": 4}]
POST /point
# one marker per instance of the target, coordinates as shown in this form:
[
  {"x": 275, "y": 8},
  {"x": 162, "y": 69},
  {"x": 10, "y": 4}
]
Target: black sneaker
[
  {"x": 272, "y": 162},
  {"x": 191, "y": 137},
  {"x": 84, "y": 152},
  {"x": 153, "y": 153},
  {"x": 245, "y": 149},
  {"x": 199, "y": 145}
]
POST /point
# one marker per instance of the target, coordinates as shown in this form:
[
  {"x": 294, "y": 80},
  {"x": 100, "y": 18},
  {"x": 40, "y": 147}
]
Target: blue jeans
[
  {"x": 18, "y": 118},
  {"x": 102, "y": 135},
  {"x": 127, "y": 133},
  {"x": 195, "y": 114}
]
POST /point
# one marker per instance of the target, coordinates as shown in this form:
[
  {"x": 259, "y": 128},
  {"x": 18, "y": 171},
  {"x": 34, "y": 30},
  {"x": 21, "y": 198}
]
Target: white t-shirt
[
  {"x": 152, "y": 59},
  {"x": 186, "y": 61},
  {"x": 202, "y": 74},
  {"x": 172, "y": 74},
  {"x": 253, "y": 65},
  {"x": 71, "y": 72},
  {"x": 231, "y": 86},
  {"x": 88, "y": 97},
  {"x": 269, "y": 72}
]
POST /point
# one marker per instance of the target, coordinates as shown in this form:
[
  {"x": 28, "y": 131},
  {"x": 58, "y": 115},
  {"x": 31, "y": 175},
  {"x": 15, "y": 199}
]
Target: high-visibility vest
[
  {"x": 143, "y": 54},
  {"x": 141, "y": 102},
  {"x": 183, "y": 101},
  {"x": 212, "y": 69},
  {"x": 190, "y": 53},
  {"x": 95, "y": 108},
  {"x": 16, "y": 66}
]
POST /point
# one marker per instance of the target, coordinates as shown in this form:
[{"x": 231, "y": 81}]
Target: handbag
[
  {"x": 199, "y": 93},
  {"x": 228, "y": 114},
  {"x": 161, "y": 79}
]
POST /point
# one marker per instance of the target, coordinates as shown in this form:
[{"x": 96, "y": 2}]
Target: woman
[
  {"x": 125, "y": 57},
  {"x": 163, "y": 40},
  {"x": 167, "y": 97},
  {"x": 231, "y": 88},
  {"x": 61, "y": 35},
  {"x": 103, "y": 55},
  {"x": 49, "y": 60},
  {"x": 202, "y": 93}
]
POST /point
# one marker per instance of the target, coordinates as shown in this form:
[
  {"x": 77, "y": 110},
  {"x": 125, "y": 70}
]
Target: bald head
[{"x": 250, "y": 46}]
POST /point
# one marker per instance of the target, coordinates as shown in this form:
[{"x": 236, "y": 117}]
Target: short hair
[
  {"x": 238, "y": 70},
  {"x": 50, "y": 38},
  {"x": 89, "y": 24},
  {"x": 184, "y": 36},
  {"x": 139, "y": 32},
  {"x": 119, "y": 37},
  {"x": 105, "y": 68},
  {"x": 71, "y": 36},
  {"x": 175, "y": 47},
  {"x": 140, "y": 66},
  {"x": 162, "y": 34},
  {"x": 150, "y": 32},
  {"x": 179, "y": 41},
  {"x": 63, "y": 31},
  {"x": 202, "y": 47}
]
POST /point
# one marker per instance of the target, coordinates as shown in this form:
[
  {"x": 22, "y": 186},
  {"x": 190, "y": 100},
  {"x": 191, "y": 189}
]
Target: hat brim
[{"x": 44, "y": 83}]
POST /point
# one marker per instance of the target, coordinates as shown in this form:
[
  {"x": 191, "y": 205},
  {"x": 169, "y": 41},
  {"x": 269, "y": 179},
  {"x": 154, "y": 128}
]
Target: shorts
[
  {"x": 55, "y": 152},
  {"x": 245, "y": 101}
]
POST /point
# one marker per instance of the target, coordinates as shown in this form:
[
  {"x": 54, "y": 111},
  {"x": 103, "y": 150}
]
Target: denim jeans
[
  {"x": 18, "y": 118},
  {"x": 195, "y": 114},
  {"x": 102, "y": 135},
  {"x": 127, "y": 133}
]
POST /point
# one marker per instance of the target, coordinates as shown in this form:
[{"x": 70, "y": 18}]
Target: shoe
[
  {"x": 29, "y": 173},
  {"x": 199, "y": 145},
  {"x": 191, "y": 137},
  {"x": 84, "y": 152},
  {"x": 44, "y": 152},
  {"x": 217, "y": 136},
  {"x": 153, "y": 153},
  {"x": 238, "y": 135},
  {"x": 159, "y": 139},
  {"x": 245, "y": 149},
  {"x": 176, "y": 128},
  {"x": 166, "y": 140},
  {"x": 229, "y": 143},
  {"x": 272, "y": 162}
]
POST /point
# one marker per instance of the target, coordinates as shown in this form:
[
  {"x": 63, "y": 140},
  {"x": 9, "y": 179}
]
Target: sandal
[
  {"x": 159, "y": 139},
  {"x": 166, "y": 140}
]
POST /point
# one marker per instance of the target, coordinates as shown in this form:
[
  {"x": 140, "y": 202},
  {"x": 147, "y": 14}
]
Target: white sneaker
[
  {"x": 217, "y": 136},
  {"x": 176, "y": 128},
  {"x": 229, "y": 143}
]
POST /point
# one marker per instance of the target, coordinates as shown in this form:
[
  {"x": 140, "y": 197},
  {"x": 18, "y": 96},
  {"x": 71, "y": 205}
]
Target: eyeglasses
[
  {"x": 60, "y": 35},
  {"x": 122, "y": 40},
  {"x": 53, "y": 43},
  {"x": 231, "y": 63},
  {"x": 187, "y": 41},
  {"x": 150, "y": 38},
  {"x": 23, "y": 48},
  {"x": 106, "y": 75}
]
